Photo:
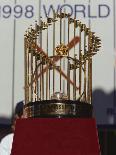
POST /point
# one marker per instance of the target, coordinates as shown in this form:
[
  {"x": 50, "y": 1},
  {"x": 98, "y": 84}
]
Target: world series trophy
[
  {"x": 58, "y": 72},
  {"x": 58, "y": 89}
]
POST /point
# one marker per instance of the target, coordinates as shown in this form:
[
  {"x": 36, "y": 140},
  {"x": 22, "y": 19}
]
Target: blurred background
[{"x": 100, "y": 15}]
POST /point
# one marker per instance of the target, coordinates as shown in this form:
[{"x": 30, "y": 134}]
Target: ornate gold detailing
[
  {"x": 51, "y": 109},
  {"x": 58, "y": 58},
  {"x": 59, "y": 96},
  {"x": 61, "y": 50}
]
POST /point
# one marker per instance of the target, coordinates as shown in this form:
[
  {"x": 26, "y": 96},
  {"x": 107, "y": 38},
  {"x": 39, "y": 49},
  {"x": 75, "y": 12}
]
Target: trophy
[
  {"x": 58, "y": 67},
  {"x": 58, "y": 84}
]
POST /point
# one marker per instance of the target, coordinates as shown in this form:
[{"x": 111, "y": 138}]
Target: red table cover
[{"x": 54, "y": 136}]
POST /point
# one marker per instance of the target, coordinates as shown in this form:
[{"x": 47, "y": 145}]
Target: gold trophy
[{"x": 58, "y": 67}]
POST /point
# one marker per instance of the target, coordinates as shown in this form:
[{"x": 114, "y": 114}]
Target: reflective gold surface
[{"x": 58, "y": 60}]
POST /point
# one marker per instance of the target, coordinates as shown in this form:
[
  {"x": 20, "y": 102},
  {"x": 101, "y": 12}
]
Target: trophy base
[{"x": 58, "y": 109}]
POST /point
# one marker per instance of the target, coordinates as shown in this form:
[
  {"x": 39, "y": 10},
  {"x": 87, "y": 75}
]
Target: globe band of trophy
[{"x": 58, "y": 68}]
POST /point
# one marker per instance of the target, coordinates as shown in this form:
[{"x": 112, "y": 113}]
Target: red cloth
[{"x": 53, "y": 136}]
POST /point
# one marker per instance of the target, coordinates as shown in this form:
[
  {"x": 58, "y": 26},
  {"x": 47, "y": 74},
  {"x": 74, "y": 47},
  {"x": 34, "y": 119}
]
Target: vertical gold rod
[
  {"x": 47, "y": 70},
  {"x": 37, "y": 70},
  {"x": 74, "y": 79},
  {"x": 80, "y": 66},
  {"x": 31, "y": 71},
  {"x": 74, "y": 70},
  {"x": 64, "y": 41},
  {"x": 36, "y": 73},
  {"x": 90, "y": 80},
  {"x": 42, "y": 70},
  {"x": 91, "y": 69},
  {"x": 40, "y": 80},
  {"x": 40, "y": 66},
  {"x": 25, "y": 73},
  {"x": 53, "y": 50},
  {"x": 68, "y": 75},
  {"x": 27, "y": 54},
  {"x": 88, "y": 85},
  {"x": 28, "y": 72},
  {"x": 42, "y": 83},
  {"x": 36, "y": 82},
  {"x": 74, "y": 35},
  {"x": 34, "y": 67},
  {"x": 85, "y": 80},
  {"x": 68, "y": 30},
  {"x": 88, "y": 74},
  {"x": 60, "y": 57},
  {"x": 68, "y": 71},
  {"x": 49, "y": 82}
]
